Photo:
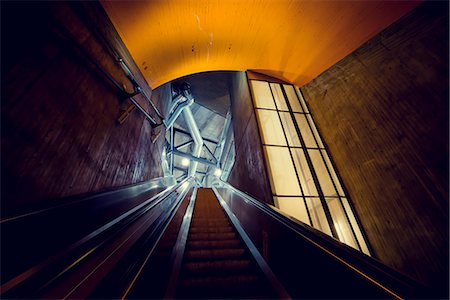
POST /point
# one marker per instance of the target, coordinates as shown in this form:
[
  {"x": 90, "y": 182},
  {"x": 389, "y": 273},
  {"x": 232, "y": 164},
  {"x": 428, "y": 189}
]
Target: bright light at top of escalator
[
  {"x": 185, "y": 185},
  {"x": 217, "y": 172},
  {"x": 185, "y": 162}
]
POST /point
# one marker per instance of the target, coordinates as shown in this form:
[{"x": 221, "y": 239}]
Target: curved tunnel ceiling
[{"x": 291, "y": 40}]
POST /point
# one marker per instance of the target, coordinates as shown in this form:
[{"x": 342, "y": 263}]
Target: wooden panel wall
[
  {"x": 383, "y": 111},
  {"x": 249, "y": 172},
  {"x": 58, "y": 114}
]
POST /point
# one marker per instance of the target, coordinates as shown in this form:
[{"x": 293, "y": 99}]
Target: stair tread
[
  {"x": 218, "y": 265},
  {"x": 207, "y": 229},
  {"x": 220, "y": 280},
  {"x": 211, "y": 244},
  {"x": 212, "y": 236},
  {"x": 215, "y": 253}
]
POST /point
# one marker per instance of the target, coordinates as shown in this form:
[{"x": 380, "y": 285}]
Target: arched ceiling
[{"x": 291, "y": 40}]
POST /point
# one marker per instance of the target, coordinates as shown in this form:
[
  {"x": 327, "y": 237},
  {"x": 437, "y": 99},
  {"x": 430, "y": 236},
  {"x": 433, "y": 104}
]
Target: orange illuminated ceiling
[{"x": 291, "y": 40}]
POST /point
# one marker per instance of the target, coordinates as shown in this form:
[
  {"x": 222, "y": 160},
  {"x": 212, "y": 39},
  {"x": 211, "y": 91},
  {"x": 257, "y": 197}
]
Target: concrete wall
[
  {"x": 59, "y": 131},
  {"x": 248, "y": 173},
  {"x": 383, "y": 111}
]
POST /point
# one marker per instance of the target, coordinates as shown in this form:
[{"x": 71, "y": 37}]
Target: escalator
[
  {"x": 216, "y": 263},
  {"x": 186, "y": 242}
]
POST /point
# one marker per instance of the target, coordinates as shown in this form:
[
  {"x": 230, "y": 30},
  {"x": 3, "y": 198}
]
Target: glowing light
[
  {"x": 218, "y": 172},
  {"x": 185, "y": 162}
]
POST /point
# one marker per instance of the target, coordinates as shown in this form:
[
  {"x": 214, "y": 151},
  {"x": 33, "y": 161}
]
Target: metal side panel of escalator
[{"x": 184, "y": 242}]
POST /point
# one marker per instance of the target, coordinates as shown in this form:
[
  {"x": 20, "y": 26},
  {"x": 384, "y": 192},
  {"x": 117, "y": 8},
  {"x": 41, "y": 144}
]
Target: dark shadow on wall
[{"x": 60, "y": 134}]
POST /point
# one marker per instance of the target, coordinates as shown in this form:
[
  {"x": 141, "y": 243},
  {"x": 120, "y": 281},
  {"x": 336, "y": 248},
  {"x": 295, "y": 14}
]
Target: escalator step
[
  {"x": 226, "y": 266},
  {"x": 216, "y": 263},
  {"x": 224, "y": 287},
  {"x": 220, "y": 244},
  {"x": 212, "y": 236},
  {"x": 220, "y": 281},
  {"x": 210, "y": 222},
  {"x": 216, "y": 229},
  {"x": 214, "y": 254}
]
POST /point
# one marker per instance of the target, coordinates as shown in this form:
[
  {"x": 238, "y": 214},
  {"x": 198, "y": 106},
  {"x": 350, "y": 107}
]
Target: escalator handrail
[
  {"x": 43, "y": 264},
  {"x": 318, "y": 239},
  {"x": 120, "y": 192},
  {"x": 179, "y": 248},
  {"x": 166, "y": 219},
  {"x": 261, "y": 262}
]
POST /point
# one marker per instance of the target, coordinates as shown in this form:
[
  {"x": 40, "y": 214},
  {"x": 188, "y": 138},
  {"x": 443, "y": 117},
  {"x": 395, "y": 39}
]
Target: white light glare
[
  {"x": 218, "y": 172},
  {"x": 185, "y": 162},
  {"x": 185, "y": 185}
]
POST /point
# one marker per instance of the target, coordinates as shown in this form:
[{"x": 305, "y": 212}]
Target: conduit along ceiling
[
  {"x": 210, "y": 110},
  {"x": 292, "y": 40}
]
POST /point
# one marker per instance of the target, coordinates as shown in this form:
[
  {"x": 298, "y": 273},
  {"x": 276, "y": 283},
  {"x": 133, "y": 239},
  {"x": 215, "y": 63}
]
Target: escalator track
[{"x": 216, "y": 263}]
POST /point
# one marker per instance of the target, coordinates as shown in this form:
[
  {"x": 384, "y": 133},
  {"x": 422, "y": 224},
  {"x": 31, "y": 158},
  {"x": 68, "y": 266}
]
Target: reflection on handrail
[
  {"x": 138, "y": 210},
  {"x": 126, "y": 191},
  {"x": 179, "y": 248},
  {"x": 267, "y": 271},
  {"x": 186, "y": 185},
  {"x": 361, "y": 264}
]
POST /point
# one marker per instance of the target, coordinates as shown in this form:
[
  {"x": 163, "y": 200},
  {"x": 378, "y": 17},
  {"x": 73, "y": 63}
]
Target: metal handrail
[
  {"x": 143, "y": 207},
  {"x": 261, "y": 262},
  {"x": 135, "y": 188},
  {"x": 169, "y": 215},
  {"x": 121, "y": 61},
  {"x": 84, "y": 53},
  {"x": 311, "y": 235},
  {"x": 179, "y": 248}
]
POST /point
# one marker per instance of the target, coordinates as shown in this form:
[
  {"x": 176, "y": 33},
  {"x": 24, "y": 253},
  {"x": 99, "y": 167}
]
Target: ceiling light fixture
[
  {"x": 185, "y": 162},
  {"x": 217, "y": 172}
]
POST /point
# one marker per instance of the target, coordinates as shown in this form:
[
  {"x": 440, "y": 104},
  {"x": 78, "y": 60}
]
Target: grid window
[
  {"x": 322, "y": 173},
  {"x": 278, "y": 96},
  {"x": 289, "y": 129},
  {"x": 303, "y": 181},
  {"x": 319, "y": 219},
  {"x": 305, "y": 131},
  {"x": 271, "y": 131},
  {"x": 304, "y": 173},
  {"x": 293, "y": 99},
  {"x": 340, "y": 222},
  {"x": 262, "y": 95},
  {"x": 281, "y": 170},
  {"x": 294, "y": 206}
]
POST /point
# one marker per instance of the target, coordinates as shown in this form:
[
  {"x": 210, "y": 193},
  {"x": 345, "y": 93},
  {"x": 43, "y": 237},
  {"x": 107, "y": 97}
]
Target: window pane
[
  {"x": 281, "y": 170},
  {"x": 293, "y": 206},
  {"x": 306, "y": 179},
  {"x": 355, "y": 226},
  {"x": 305, "y": 131},
  {"x": 333, "y": 173},
  {"x": 322, "y": 174},
  {"x": 270, "y": 125},
  {"x": 302, "y": 100},
  {"x": 316, "y": 134},
  {"x": 262, "y": 95},
  {"x": 293, "y": 100},
  {"x": 279, "y": 97},
  {"x": 341, "y": 224},
  {"x": 317, "y": 213},
  {"x": 289, "y": 129}
]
